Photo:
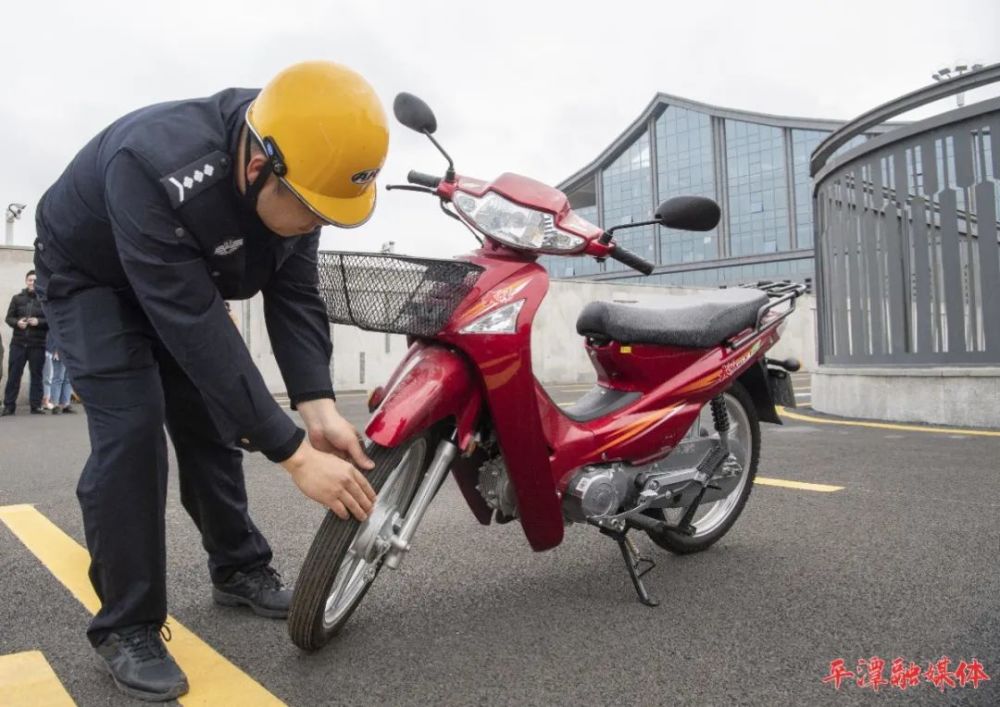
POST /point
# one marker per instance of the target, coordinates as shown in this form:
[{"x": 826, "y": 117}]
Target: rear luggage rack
[{"x": 783, "y": 292}]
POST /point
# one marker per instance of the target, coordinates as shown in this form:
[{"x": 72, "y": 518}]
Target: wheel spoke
[{"x": 346, "y": 575}]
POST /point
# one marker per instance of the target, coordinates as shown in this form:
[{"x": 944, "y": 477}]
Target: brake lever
[{"x": 409, "y": 187}]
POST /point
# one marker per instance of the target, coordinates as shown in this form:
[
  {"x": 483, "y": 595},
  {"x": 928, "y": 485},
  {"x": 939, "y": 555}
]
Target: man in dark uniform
[
  {"x": 27, "y": 346},
  {"x": 165, "y": 214}
]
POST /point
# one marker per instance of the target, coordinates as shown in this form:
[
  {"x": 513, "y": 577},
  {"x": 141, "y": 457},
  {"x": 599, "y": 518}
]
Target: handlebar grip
[
  {"x": 627, "y": 257},
  {"x": 424, "y": 180}
]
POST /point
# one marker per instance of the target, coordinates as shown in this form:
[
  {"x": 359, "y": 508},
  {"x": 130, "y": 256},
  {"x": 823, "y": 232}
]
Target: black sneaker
[
  {"x": 6, "y": 412},
  {"x": 37, "y": 411},
  {"x": 140, "y": 665},
  {"x": 56, "y": 410},
  {"x": 260, "y": 588},
  {"x": 68, "y": 410}
]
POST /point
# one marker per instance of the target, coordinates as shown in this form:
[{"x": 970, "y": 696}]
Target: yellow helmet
[{"x": 326, "y": 134}]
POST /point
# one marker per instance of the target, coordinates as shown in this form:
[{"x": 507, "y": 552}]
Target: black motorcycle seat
[{"x": 689, "y": 321}]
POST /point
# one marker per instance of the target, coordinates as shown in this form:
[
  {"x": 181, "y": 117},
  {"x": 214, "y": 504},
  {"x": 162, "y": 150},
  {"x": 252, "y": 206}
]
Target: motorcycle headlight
[{"x": 514, "y": 224}]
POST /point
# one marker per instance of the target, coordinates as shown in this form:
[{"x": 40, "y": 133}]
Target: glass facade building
[{"x": 755, "y": 166}]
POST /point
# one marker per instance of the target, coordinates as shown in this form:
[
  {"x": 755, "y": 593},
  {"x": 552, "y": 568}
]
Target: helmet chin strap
[{"x": 253, "y": 189}]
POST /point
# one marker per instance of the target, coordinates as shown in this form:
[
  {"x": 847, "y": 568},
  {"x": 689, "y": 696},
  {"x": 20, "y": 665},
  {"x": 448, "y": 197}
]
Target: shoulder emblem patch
[
  {"x": 192, "y": 179},
  {"x": 229, "y": 247}
]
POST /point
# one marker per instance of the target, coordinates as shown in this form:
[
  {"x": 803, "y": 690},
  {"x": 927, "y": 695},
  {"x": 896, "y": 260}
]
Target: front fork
[{"x": 398, "y": 543}]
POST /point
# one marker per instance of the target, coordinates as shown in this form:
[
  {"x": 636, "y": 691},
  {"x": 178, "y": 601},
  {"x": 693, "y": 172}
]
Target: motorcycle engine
[
  {"x": 596, "y": 491},
  {"x": 495, "y": 487}
]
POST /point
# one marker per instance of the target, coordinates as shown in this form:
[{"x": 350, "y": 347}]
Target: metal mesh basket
[{"x": 393, "y": 293}]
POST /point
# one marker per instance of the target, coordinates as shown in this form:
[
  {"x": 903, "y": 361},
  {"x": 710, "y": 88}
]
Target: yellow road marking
[
  {"x": 27, "y": 680},
  {"x": 798, "y": 485},
  {"x": 887, "y": 426},
  {"x": 214, "y": 680}
]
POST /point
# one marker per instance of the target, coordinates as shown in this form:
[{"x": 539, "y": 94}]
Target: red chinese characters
[
  {"x": 971, "y": 673},
  {"x": 938, "y": 674},
  {"x": 906, "y": 674},
  {"x": 902, "y": 675},
  {"x": 871, "y": 673},
  {"x": 838, "y": 673}
]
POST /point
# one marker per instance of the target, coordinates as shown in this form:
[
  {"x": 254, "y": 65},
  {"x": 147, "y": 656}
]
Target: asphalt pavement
[{"x": 901, "y": 562}]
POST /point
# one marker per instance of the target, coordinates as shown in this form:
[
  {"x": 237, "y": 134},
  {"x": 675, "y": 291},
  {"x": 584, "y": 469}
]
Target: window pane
[
  {"x": 627, "y": 190},
  {"x": 685, "y": 167},
  {"x": 758, "y": 204}
]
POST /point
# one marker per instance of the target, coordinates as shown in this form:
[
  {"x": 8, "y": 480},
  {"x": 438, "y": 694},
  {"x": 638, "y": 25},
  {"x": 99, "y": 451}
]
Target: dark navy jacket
[
  {"x": 150, "y": 206},
  {"x": 25, "y": 305}
]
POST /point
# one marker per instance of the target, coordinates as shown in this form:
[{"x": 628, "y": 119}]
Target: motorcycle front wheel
[
  {"x": 713, "y": 520},
  {"x": 335, "y": 577}
]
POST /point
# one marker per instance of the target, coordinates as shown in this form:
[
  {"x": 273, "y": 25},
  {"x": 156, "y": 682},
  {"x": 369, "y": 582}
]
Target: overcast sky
[{"x": 530, "y": 87}]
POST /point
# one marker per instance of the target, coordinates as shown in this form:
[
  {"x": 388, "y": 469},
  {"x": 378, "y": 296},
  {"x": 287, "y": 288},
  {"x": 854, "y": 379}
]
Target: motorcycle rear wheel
[
  {"x": 334, "y": 579},
  {"x": 714, "y": 520}
]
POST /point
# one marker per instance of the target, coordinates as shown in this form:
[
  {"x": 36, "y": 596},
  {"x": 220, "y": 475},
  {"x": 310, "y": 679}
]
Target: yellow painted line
[
  {"x": 797, "y": 485},
  {"x": 888, "y": 426},
  {"x": 214, "y": 680},
  {"x": 27, "y": 680}
]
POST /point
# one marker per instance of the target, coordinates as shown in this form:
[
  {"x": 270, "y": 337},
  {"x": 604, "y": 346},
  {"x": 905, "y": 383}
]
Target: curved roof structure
[
  {"x": 756, "y": 165},
  {"x": 662, "y": 100}
]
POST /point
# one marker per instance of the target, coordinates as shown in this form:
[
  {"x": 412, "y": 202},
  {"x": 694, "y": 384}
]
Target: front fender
[{"x": 432, "y": 383}]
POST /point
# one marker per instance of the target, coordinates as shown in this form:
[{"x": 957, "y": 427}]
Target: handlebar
[
  {"x": 424, "y": 180},
  {"x": 627, "y": 257}
]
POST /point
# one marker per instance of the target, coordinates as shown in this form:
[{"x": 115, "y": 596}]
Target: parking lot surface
[{"x": 860, "y": 542}]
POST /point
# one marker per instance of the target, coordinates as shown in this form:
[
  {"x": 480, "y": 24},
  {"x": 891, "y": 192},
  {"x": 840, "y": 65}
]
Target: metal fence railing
[{"x": 908, "y": 260}]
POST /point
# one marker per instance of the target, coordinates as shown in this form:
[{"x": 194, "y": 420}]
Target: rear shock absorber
[{"x": 720, "y": 416}]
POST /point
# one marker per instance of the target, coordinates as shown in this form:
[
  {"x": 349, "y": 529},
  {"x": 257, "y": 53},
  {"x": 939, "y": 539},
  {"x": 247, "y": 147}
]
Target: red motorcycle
[{"x": 666, "y": 442}]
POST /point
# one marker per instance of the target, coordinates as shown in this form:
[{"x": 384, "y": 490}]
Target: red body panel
[
  {"x": 540, "y": 444},
  {"x": 504, "y": 363},
  {"x": 431, "y": 384}
]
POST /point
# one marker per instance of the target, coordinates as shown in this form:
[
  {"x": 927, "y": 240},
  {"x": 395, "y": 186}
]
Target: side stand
[{"x": 635, "y": 563}]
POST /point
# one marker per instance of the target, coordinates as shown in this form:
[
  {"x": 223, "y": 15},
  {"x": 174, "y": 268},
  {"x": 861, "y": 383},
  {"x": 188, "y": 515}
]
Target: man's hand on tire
[{"x": 331, "y": 481}]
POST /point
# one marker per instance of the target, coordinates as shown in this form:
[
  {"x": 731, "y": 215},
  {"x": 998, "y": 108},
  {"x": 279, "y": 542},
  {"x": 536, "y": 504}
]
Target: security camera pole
[{"x": 13, "y": 214}]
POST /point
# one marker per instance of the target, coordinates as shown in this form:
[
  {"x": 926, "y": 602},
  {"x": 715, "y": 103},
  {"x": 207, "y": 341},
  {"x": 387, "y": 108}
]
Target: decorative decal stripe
[
  {"x": 706, "y": 381},
  {"x": 495, "y": 298},
  {"x": 499, "y": 360},
  {"x": 636, "y": 428},
  {"x": 504, "y": 376}
]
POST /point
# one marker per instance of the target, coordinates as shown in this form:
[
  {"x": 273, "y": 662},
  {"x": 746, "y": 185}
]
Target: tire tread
[{"x": 334, "y": 537}]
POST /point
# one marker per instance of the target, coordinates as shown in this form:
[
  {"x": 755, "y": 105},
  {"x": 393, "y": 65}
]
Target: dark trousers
[
  {"x": 19, "y": 355},
  {"x": 130, "y": 387}
]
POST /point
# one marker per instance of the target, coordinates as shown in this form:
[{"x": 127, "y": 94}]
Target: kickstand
[{"x": 635, "y": 563}]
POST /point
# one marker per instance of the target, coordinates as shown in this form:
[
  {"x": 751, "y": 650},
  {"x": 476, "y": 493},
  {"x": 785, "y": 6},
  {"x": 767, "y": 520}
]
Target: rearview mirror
[
  {"x": 689, "y": 213},
  {"x": 414, "y": 113}
]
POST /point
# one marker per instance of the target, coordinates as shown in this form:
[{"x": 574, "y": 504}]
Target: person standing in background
[
  {"x": 57, "y": 388},
  {"x": 27, "y": 346}
]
